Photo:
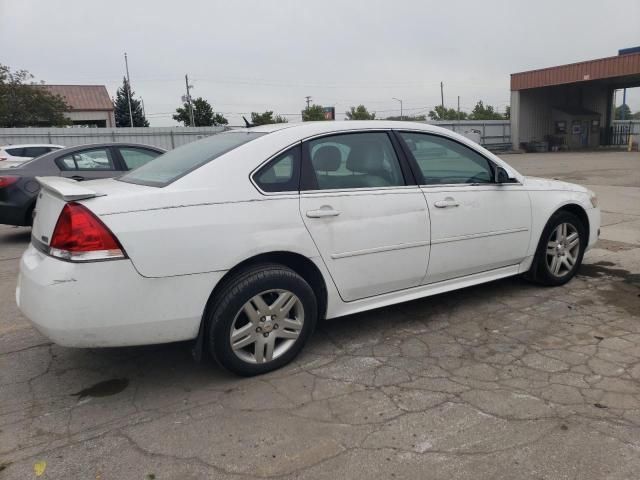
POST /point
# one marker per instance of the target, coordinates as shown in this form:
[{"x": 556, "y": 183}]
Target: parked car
[
  {"x": 19, "y": 187},
  {"x": 14, "y": 155},
  {"x": 244, "y": 240}
]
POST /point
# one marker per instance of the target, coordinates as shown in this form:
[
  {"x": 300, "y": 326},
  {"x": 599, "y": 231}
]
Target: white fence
[
  {"x": 634, "y": 125},
  {"x": 494, "y": 134},
  {"x": 163, "y": 137}
]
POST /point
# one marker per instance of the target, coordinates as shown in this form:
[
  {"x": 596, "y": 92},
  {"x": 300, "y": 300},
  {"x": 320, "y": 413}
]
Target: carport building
[{"x": 570, "y": 106}]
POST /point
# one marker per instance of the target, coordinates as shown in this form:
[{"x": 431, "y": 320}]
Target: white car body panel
[
  {"x": 106, "y": 304},
  {"x": 377, "y": 244},
  {"x": 183, "y": 238},
  {"x": 489, "y": 228}
]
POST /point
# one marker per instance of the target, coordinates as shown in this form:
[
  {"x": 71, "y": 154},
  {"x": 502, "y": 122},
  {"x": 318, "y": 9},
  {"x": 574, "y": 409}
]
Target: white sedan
[
  {"x": 15, "y": 155},
  {"x": 243, "y": 241}
]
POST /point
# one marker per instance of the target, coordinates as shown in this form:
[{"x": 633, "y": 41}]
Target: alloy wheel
[
  {"x": 267, "y": 326},
  {"x": 563, "y": 249}
]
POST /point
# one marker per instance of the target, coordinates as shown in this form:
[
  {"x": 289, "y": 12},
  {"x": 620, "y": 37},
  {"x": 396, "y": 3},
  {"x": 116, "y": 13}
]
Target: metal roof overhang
[{"x": 622, "y": 71}]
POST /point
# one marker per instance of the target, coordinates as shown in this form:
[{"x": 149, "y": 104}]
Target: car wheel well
[
  {"x": 579, "y": 212},
  {"x": 296, "y": 262}
]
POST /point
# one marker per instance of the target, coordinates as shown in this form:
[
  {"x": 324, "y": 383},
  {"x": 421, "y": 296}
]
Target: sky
[{"x": 252, "y": 55}]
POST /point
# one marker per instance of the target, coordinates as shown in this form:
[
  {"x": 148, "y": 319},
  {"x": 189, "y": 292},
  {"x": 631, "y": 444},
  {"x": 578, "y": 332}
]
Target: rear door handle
[
  {"x": 446, "y": 203},
  {"x": 77, "y": 178},
  {"x": 324, "y": 211}
]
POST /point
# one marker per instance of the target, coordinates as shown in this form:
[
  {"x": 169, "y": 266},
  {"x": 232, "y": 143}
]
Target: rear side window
[
  {"x": 355, "y": 160},
  {"x": 15, "y": 152},
  {"x": 137, "y": 157},
  {"x": 35, "y": 151},
  {"x": 176, "y": 163},
  {"x": 98, "y": 159},
  {"x": 282, "y": 174}
]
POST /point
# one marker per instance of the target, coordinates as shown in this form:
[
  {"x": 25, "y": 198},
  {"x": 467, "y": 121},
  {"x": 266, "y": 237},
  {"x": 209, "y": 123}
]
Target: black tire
[
  {"x": 540, "y": 271},
  {"x": 235, "y": 294}
]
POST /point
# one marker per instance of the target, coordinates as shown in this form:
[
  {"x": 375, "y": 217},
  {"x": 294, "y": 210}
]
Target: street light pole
[
  {"x": 186, "y": 81},
  {"x": 126, "y": 63},
  {"x": 398, "y": 100}
]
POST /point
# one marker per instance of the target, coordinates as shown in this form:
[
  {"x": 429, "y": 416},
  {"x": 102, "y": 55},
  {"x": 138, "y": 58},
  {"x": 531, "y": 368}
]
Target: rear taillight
[
  {"x": 8, "y": 180},
  {"x": 80, "y": 236}
]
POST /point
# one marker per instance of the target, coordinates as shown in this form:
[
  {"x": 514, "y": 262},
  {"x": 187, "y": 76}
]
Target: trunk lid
[{"x": 100, "y": 196}]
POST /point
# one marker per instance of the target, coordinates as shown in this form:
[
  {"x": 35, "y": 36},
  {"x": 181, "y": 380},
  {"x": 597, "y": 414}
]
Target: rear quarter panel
[{"x": 210, "y": 237}]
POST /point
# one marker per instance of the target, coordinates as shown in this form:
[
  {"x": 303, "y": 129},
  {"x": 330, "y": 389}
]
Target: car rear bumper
[{"x": 109, "y": 304}]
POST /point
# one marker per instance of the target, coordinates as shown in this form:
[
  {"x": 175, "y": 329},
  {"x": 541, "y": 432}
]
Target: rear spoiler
[{"x": 67, "y": 189}]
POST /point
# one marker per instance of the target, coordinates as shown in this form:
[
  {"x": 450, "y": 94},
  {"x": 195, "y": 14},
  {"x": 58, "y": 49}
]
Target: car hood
[{"x": 539, "y": 183}]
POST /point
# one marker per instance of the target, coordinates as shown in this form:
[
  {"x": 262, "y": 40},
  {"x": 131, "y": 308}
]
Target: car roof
[
  {"x": 41, "y": 162},
  {"x": 23, "y": 145},
  {"x": 319, "y": 127}
]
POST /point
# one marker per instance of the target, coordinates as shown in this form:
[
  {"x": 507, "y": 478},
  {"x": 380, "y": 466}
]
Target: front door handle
[
  {"x": 78, "y": 178},
  {"x": 446, "y": 203},
  {"x": 324, "y": 211}
]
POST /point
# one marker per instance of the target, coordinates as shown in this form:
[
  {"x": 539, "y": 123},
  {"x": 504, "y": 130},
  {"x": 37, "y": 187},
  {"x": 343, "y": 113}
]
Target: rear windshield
[{"x": 176, "y": 163}]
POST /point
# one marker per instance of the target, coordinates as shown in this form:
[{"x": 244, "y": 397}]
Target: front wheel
[
  {"x": 560, "y": 251},
  {"x": 262, "y": 320}
]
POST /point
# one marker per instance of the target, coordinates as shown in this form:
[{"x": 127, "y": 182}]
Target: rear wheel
[
  {"x": 560, "y": 251},
  {"x": 261, "y": 320}
]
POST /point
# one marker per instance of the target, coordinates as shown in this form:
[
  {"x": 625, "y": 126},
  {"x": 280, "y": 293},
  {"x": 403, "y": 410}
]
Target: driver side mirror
[{"x": 503, "y": 177}]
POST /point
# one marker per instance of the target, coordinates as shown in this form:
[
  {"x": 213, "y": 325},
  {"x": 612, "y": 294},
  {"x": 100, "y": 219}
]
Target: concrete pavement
[{"x": 504, "y": 380}]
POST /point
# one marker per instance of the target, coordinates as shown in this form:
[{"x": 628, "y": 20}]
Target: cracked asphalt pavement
[{"x": 503, "y": 380}]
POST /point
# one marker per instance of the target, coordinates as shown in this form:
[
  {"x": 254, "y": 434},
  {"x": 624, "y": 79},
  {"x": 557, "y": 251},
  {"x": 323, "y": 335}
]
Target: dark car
[{"x": 19, "y": 188}]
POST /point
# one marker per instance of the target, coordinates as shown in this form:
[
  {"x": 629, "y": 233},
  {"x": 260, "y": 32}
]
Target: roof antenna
[{"x": 246, "y": 122}]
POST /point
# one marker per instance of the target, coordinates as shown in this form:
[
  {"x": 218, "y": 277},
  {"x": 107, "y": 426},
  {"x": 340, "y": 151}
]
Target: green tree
[
  {"x": 507, "y": 112},
  {"x": 440, "y": 113},
  {"x": 313, "y": 113},
  {"x": 359, "y": 113},
  {"x": 24, "y": 103},
  {"x": 266, "y": 118},
  {"x": 482, "y": 112},
  {"x": 219, "y": 119},
  {"x": 121, "y": 107},
  {"x": 623, "y": 109},
  {"x": 203, "y": 114}
]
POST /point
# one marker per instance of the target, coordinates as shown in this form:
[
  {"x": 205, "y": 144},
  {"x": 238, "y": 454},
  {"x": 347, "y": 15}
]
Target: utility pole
[
  {"x": 442, "y": 96},
  {"x": 126, "y": 64},
  {"x": 142, "y": 101},
  {"x": 458, "y": 107},
  {"x": 308, "y": 101},
  {"x": 186, "y": 81},
  {"x": 398, "y": 100}
]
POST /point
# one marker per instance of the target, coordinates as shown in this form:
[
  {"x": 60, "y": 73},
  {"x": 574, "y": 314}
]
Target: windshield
[{"x": 176, "y": 163}]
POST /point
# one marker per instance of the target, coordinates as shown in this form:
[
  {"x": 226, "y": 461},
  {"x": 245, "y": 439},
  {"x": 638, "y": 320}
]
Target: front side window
[
  {"x": 98, "y": 159},
  {"x": 355, "y": 160},
  {"x": 282, "y": 174},
  {"x": 444, "y": 161},
  {"x": 137, "y": 157},
  {"x": 167, "y": 168}
]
